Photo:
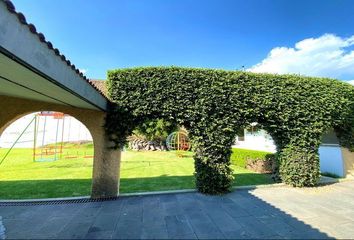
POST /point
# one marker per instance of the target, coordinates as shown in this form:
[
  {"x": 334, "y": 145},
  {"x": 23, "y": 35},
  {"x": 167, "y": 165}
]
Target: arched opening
[
  {"x": 45, "y": 154},
  {"x": 253, "y": 156},
  {"x": 145, "y": 167},
  {"x": 255, "y": 137},
  {"x": 156, "y": 158}
]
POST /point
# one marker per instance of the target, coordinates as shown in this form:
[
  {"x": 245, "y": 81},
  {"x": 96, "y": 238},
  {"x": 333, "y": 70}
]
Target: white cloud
[
  {"x": 326, "y": 56},
  {"x": 83, "y": 70},
  {"x": 351, "y": 82}
]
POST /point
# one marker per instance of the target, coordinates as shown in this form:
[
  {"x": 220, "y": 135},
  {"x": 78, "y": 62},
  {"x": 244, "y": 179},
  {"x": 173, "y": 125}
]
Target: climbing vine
[{"x": 214, "y": 104}]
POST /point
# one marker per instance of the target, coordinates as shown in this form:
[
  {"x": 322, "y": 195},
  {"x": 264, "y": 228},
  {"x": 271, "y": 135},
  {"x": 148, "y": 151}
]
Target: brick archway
[{"x": 106, "y": 164}]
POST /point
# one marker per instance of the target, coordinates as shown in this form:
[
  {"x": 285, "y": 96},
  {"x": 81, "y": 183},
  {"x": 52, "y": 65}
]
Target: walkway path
[{"x": 280, "y": 212}]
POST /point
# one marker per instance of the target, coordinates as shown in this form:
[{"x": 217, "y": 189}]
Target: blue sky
[{"x": 271, "y": 36}]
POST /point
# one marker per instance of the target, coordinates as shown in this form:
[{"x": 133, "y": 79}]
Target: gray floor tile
[
  {"x": 99, "y": 234},
  {"x": 178, "y": 225},
  {"x": 281, "y": 212}
]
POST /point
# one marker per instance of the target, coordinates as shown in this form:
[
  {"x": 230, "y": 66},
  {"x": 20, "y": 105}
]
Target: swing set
[{"x": 49, "y": 150}]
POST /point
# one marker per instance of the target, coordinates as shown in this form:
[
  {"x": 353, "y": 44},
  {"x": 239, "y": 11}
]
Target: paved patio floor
[{"x": 279, "y": 212}]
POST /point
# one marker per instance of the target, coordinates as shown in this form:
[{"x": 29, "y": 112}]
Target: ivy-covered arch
[{"x": 213, "y": 104}]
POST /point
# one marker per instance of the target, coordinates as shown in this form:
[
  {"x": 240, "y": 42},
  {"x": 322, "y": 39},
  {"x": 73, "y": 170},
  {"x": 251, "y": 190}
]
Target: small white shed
[{"x": 333, "y": 158}]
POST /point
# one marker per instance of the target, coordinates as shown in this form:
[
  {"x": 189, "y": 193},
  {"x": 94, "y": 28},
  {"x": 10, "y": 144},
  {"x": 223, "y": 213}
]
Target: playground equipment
[
  {"x": 48, "y": 147},
  {"x": 178, "y": 141},
  {"x": 48, "y": 152},
  {"x": 56, "y": 149}
]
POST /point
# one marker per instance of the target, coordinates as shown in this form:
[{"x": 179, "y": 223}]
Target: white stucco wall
[{"x": 331, "y": 160}]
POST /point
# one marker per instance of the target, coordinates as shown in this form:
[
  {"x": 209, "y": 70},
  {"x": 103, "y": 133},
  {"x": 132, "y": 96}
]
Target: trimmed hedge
[
  {"x": 213, "y": 104},
  {"x": 240, "y": 156},
  {"x": 299, "y": 166}
]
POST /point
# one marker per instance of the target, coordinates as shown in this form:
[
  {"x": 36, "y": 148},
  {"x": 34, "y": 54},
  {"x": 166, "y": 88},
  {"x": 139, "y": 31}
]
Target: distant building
[
  {"x": 49, "y": 130},
  {"x": 255, "y": 139}
]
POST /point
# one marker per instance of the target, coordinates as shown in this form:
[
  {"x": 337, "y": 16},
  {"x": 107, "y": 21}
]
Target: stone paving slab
[{"x": 277, "y": 213}]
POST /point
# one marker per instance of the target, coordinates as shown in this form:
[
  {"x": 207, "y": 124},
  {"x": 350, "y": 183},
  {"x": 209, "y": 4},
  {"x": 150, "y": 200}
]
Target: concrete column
[{"x": 106, "y": 164}]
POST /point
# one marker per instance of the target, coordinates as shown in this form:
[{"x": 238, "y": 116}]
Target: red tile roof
[
  {"x": 100, "y": 85},
  {"x": 41, "y": 37}
]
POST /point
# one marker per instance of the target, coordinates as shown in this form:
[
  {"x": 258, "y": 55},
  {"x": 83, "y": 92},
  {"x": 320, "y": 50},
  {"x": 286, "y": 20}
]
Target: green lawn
[{"x": 20, "y": 177}]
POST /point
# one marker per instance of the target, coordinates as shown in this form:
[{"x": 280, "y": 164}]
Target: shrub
[
  {"x": 156, "y": 130},
  {"x": 240, "y": 156},
  {"x": 299, "y": 167},
  {"x": 213, "y": 104}
]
